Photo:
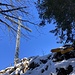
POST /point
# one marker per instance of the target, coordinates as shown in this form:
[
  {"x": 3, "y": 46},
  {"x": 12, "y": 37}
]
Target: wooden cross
[
  {"x": 20, "y": 25},
  {"x": 16, "y": 60}
]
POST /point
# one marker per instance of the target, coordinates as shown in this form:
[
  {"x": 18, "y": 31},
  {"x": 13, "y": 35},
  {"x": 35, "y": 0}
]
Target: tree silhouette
[{"x": 62, "y": 13}]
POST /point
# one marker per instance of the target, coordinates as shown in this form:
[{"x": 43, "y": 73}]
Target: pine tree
[{"x": 62, "y": 13}]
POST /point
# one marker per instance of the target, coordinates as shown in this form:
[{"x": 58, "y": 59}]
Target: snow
[{"x": 45, "y": 66}]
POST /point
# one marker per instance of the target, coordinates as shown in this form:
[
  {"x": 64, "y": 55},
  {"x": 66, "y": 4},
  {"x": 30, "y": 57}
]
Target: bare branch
[
  {"x": 21, "y": 24},
  {"x": 19, "y": 19},
  {"x": 3, "y": 4},
  {"x": 13, "y": 9},
  {"x": 8, "y": 25}
]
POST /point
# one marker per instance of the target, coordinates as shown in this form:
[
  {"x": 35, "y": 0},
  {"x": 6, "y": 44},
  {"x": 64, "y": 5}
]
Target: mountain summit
[{"x": 51, "y": 64}]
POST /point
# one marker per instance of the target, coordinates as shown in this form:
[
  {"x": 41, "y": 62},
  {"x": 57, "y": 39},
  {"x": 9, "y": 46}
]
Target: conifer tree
[{"x": 62, "y": 13}]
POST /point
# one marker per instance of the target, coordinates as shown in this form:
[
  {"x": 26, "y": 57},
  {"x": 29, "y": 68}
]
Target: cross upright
[{"x": 16, "y": 59}]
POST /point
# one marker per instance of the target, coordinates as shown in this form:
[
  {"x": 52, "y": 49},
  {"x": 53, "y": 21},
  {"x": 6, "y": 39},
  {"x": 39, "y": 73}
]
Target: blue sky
[{"x": 40, "y": 42}]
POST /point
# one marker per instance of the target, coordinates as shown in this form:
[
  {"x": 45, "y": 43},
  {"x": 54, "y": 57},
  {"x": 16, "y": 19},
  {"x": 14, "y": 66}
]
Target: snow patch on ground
[{"x": 39, "y": 65}]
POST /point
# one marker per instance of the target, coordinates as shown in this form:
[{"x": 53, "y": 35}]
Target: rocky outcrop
[
  {"x": 21, "y": 67},
  {"x": 63, "y": 71},
  {"x": 59, "y": 57}
]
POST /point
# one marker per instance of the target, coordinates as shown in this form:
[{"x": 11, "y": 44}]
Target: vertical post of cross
[{"x": 16, "y": 60}]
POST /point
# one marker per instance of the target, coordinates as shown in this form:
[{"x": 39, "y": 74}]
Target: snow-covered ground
[{"x": 41, "y": 65}]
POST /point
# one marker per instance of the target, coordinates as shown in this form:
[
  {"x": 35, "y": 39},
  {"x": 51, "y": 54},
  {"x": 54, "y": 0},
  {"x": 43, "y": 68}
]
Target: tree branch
[
  {"x": 17, "y": 24},
  {"x": 19, "y": 19},
  {"x": 9, "y": 10},
  {"x": 3, "y": 4},
  {"x": 8, "y": 25}
]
